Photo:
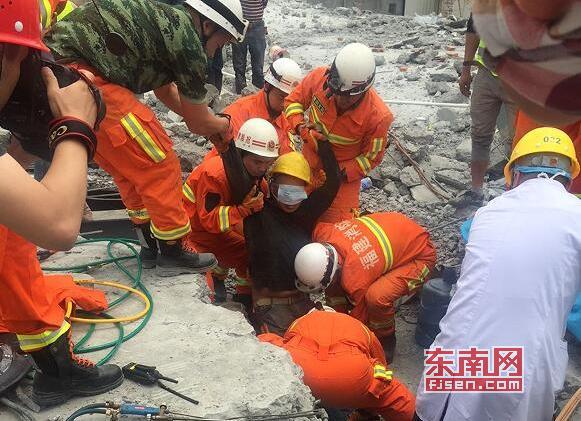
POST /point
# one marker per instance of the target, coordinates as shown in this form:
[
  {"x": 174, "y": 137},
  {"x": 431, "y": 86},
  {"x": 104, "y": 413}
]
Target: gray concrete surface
[{"x": 211, "y": 351}]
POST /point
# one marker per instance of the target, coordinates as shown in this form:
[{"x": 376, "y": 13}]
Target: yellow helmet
[
  {"x": 294, "y": 164},
  {"x": 543, "y": 140}
]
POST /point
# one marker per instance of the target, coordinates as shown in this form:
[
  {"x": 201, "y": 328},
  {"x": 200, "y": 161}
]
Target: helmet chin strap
[{"x": 267, "y": 89}]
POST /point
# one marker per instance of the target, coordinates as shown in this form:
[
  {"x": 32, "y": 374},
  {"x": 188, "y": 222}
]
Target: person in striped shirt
[{"x": 254, "y": 43}]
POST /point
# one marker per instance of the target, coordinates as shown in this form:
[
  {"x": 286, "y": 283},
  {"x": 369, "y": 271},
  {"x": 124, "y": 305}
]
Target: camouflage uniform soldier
[{"x": 135, "y": 46}]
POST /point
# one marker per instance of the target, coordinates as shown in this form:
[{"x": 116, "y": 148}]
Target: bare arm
[
  {"x": 48, "y": 213},
  {"x": 201, "y": 121},
  {"x": 169, "y": 95},
  {"x": 470, "y": 47}
]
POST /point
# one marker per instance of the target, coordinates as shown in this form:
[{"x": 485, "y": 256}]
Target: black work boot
[
  {"x": 388, "y": 344},
  {"x": 148, "y": 252},
  {"x": 62, "y": 375},
  {"x": 245, "y": 300},
  {"x": 173, "y": 260}
]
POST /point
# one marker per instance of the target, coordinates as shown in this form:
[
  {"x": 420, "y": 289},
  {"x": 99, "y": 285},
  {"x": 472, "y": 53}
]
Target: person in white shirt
[{"x": 519, "y": 280}]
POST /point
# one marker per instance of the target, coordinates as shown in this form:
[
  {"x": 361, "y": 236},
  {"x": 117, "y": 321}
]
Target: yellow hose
[{"x": 132, "y": 318}]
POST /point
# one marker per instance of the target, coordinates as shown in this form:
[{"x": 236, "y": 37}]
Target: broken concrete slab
[
  {"x": 417, "y": 152},
  {"x": 453, "y": 178},
  {"x": 409, "y": 177},
  {"x": 390, "y": 188},
  {"x": 211, "y": 351},
  {"x": 343, "y": 11},
  {"x": 438, "y": 163},
  {"x": 418, "y": 136},
  {"x": 464, "y": 150},
  {"x": 402, "y": 43},
  {"x": 389, "y": 171},
  {"x": 379, "y": 59},
  {"x": 441, "y": 126},
  {"x": 403, "y": 58},
  {"x": 423, "y": 195},
  {"x": 434, "y": 87},
  {"x": 462, "y": 123},
  {"x": 444, "y": 76},
  {"x": 412, "y": 76},
  {"x": 446, "y": 114}
]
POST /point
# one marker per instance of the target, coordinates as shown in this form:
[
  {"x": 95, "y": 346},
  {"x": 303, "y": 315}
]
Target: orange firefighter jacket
[
  {"x": 208, "y": 199},
  {"x": 255, "y": 106},
  {"x": 369, "y": 247},
  {"x": 358, "y": 136}
]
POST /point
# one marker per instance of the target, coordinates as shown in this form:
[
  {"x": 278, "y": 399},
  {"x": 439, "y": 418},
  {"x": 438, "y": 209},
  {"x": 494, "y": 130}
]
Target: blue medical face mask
[{"x": 291, "y": 195}]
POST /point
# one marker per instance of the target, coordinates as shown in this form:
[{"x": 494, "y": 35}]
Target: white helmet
[
  {"x": 284, "y": 74},
  {"x": 276, "y": 52},
  {"x": 225, "y": 13},
  {"x": 352, "y": 71},
  {"x": 259, "y": 137},
  {"x": 315, "y": 265}
]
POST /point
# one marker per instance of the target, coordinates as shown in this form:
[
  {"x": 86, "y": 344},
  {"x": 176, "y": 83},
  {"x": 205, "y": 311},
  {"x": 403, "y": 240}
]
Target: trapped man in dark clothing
[
  {"x": 274, "y": 235},
  {"x": 254, "y": 43}
]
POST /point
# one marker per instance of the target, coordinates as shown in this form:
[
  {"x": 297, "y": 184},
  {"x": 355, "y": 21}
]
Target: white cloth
[{"x": 519, "y": 280}]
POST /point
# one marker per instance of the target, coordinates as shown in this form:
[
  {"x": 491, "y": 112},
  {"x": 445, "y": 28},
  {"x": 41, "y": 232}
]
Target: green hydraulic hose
[
  {"x": 136, "y": 279},
  {"x": 118, "y": 342}
]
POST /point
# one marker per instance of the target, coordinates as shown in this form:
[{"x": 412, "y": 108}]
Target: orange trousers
[
  {"x": 230, "y": 251},
  {"x": 344, "y": 365},
  {"x": 137, "y": 152},
  {"x": 378, "y": 311},
  {"x": 32, "y": 305}
]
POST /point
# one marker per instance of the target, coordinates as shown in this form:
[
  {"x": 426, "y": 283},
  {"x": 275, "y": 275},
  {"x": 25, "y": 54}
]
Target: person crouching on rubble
[
  {"x": 344, "y": 366},
  {"x": 365, "y": 265},
  {"x": 216, "y": 216},
  {"x": 47, "y": 213}
]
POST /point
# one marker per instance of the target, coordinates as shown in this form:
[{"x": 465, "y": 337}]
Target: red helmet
[{"x": 20, "y": 23}]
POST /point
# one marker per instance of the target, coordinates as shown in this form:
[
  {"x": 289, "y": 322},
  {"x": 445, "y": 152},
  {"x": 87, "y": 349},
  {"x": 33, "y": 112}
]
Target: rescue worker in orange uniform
[
  {"x": 268, "y": 103},
  {"x": 344, "y": 108},
  {"x": 140, "y": 46},
  {"x": 33, "y": 306},
  {"x": 525, "y": 124},
  {"x": 215, "y": 216},
  {"x": 344, "y": 366},
  {"x": 367, "y": 263},
  {"x": 52, "y": 11}
]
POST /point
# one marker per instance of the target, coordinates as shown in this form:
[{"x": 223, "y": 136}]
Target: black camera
[{"x": 27, "y": 113}]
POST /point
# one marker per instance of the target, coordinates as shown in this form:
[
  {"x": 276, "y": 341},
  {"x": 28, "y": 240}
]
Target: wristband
[
  {"x": 70, "y": 128},
  {"x": 227, "y": 117}
]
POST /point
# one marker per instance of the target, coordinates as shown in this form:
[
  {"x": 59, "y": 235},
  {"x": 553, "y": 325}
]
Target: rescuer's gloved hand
[{"x": 252, "y": 203}]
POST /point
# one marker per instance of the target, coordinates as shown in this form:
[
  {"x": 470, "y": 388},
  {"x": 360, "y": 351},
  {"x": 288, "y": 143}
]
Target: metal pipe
[{"x": 426, "y": 103}]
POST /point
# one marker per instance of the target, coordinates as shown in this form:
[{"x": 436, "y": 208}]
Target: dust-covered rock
[
  {"x": 444, "y": 76},
  {"x": 434, "y": 87}
]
